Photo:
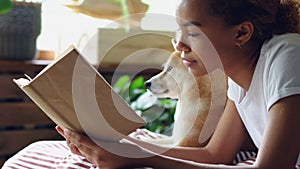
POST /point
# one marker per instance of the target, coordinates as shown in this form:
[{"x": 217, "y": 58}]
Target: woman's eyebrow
[{"x": 192, "y": 23}]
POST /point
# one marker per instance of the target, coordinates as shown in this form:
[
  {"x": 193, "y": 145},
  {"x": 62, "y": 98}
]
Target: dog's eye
[
  {"x": 169, "y": 68},
  {"x": 162, "y": 67}
]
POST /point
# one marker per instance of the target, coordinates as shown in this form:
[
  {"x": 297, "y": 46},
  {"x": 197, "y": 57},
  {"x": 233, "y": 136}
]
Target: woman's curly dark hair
[
  {"x": 269, "y": 17},
  {"x": 288, "y": 17}
]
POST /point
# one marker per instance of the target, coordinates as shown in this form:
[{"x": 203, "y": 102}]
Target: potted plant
[{"x": 20, "y": 25}]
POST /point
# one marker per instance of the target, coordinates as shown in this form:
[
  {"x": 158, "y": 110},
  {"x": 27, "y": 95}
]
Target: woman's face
[{"x": 205, "y": 40}]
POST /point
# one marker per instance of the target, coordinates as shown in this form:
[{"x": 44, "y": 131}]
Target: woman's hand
[
  {"x": 72, "y": 147},
  {"x": 104, "y": 154}
]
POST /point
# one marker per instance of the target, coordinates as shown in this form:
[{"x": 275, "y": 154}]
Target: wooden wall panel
[
  {"x": 22, "y": 114},
  {"x": 15, "y": 140}
]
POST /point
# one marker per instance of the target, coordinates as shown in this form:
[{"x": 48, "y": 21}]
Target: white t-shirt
[{"x": 277, "y": 75}]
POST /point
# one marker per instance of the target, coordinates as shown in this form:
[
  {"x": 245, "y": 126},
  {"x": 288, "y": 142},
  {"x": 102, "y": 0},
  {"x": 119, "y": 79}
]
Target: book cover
[{"x": 74, "y": 95}]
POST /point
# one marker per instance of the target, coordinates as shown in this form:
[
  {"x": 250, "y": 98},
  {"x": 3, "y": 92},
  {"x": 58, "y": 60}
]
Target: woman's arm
[
  {"x": 227, "y": 140},
  {"x": 281, "y": 143}
]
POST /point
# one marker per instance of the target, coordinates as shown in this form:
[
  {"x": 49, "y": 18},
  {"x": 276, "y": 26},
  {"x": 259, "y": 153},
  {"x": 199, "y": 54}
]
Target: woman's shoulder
[
  {"x": 281, "y": 65},
  {"x": 283, "y": 40},
  {"x": 279, "y": 44}
]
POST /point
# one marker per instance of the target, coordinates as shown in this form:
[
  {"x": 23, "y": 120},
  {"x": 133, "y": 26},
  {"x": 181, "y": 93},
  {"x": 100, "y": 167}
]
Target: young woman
[{"x": 257, "y": 43}]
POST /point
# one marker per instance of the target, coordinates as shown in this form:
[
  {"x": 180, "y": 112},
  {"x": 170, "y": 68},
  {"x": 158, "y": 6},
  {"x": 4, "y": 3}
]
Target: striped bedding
[
  {"x": 47, "y": 155},
  {"x": 56, "y": 155}
]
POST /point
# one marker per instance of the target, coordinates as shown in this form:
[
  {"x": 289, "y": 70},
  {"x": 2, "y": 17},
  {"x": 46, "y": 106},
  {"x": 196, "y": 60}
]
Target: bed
[{"x": 56, "y": 155}]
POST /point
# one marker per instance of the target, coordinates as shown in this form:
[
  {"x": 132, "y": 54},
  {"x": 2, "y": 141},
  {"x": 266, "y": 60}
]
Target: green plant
[
  {"x": 125, "y": 12},
  {"x": 159, "y": 113},
  {"x": 5, "y": 6}
]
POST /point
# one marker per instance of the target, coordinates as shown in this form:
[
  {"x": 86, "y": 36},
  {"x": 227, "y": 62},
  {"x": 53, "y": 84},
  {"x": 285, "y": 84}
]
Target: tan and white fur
[{"x": 200, "y": 102}]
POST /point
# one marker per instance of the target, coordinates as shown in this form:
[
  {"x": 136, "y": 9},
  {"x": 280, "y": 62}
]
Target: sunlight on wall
[
  {"x": 61, "y": 27},
  {"x": 162, "y": 6}
]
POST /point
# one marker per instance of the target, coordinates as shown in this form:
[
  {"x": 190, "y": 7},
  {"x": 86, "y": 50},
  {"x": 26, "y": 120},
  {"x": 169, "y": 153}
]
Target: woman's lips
[{"x": 188, "y": 62}]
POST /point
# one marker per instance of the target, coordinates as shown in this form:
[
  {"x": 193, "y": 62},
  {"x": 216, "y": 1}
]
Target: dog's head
[{"x": 169, "y": 82}]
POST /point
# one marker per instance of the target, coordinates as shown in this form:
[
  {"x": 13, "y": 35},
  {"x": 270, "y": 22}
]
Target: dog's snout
[{"x": 147, "y": 84}]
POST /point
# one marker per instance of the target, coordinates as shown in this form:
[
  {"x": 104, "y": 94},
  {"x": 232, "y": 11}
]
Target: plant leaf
[
  {"x": 145, "y": 101},
  {"x": 122, "y": 84},
  {"x": 5, "y": 6},
  {"x": 138, "y": 83},
  {"x": 115, "y": 1},
  {"x": 137, "y": 88}
]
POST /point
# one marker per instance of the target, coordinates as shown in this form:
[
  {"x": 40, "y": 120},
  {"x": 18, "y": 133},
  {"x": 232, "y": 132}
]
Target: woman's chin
[{"x": 197, "y": 73}]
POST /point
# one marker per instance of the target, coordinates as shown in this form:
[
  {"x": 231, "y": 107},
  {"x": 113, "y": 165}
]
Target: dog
[{"x": 199, "y": 107}]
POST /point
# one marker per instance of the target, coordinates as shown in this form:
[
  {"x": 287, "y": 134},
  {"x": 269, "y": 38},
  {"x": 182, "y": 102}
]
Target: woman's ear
[{"x": 244, "y": 33}]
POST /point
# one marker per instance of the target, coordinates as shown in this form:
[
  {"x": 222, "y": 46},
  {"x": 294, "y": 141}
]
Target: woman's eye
[{"x": 193, "y": 34}]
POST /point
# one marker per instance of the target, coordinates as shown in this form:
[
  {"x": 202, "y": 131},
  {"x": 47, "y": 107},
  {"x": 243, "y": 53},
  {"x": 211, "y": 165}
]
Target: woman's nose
[{"x": 180, "y": 46}]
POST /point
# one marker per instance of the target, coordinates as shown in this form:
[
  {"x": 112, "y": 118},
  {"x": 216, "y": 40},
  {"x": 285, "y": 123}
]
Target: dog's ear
[{"x": 177, "y": 53}]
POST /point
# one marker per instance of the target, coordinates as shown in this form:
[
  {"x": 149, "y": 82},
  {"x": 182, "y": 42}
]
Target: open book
[{"x": 74, "y": 95}]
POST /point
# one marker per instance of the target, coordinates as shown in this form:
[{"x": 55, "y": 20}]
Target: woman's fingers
[
  {"x": 79, "y": 139},
  {"x": 74, "y": 149},
  {"x": 60, "y": 131},
  {"x": 103, "y": 154}
]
